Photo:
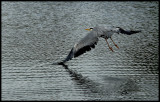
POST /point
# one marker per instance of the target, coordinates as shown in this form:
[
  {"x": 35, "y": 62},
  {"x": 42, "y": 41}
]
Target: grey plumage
[
  {"x": 85, "y": 44},
  {"x": 91, "y": 39}
]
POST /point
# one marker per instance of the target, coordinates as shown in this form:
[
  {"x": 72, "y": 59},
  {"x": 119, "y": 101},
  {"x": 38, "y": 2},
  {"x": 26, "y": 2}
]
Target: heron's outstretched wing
[
  {"x": 128, "y": 32},
  {"x": 85, "y": 44}
]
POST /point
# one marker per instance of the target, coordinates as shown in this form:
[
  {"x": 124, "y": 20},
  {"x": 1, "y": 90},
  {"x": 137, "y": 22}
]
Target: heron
[{"x": 90, "y": 40}]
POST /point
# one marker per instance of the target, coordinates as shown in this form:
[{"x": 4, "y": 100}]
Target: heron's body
[
  {"x": 104, "y": 31},
  {"x": 91, "y": 39}
]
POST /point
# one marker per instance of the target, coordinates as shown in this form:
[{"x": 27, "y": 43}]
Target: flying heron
[{"x": 91, "y": 39}]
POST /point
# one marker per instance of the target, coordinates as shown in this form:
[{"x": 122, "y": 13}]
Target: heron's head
[{"x": 90, "y": 29}]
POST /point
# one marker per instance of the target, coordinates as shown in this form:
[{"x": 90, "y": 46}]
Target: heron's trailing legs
[
  {"x": 115, "y": 44},
  {"x": 108, "y": 45}
]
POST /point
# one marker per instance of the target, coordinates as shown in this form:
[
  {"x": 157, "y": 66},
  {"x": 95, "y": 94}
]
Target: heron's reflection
[
  {"x": 110, "y": 85},
  {"x": 82, "y": 80}
]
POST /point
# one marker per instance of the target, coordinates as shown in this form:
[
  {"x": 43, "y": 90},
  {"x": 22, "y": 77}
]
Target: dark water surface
[{"x": 36, "y": 34}]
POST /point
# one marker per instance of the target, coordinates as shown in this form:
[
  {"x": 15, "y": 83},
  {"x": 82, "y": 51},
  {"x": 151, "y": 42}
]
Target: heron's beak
[{"x": 88, "y": 29}]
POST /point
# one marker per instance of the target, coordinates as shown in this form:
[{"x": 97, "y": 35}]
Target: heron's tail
[{"x": 128, "y": 32}]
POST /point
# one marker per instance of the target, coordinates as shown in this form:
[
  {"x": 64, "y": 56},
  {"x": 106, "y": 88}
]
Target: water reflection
[
  {"x": 109, "y": 88},
  {"x": 80, "y": 79}
]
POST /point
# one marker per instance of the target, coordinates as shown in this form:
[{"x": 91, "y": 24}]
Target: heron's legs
[
  {"x": 108, "y": 45},
  {"x": 115, "y": 44}
]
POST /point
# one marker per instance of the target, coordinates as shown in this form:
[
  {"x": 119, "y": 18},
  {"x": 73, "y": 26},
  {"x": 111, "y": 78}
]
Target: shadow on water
[{"x": 110, "y": 87}]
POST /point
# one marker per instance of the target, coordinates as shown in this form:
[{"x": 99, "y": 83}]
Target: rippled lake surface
[{"x": 36, "y": 34}]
